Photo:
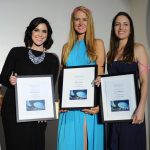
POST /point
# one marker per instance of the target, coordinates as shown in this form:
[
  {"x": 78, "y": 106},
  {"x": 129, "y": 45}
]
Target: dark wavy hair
[
  {"x": 128, "y": 54},
  {"x": 33, "y": 24}
]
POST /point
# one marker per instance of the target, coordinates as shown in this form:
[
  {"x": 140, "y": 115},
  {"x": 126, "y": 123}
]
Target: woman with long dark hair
[{"x": 126, "y": 56}]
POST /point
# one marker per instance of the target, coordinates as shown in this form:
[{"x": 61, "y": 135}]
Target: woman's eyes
[
  {"x": 85, "y": 19},
  {"x": 37, "y": 30},
  {"x": 125, "y": 24},
  {"x": 78, "y": 19},
  {"x": 44, "y": 31}
]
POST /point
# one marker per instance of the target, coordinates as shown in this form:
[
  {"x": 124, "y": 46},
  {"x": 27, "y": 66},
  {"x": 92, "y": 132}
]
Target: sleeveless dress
[
  {"x": 125, "y": 135},
  {"x": 71, "y": 123}
]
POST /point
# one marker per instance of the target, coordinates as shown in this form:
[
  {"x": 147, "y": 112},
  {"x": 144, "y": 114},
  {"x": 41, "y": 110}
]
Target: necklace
[{"x": 34, "y": 59}]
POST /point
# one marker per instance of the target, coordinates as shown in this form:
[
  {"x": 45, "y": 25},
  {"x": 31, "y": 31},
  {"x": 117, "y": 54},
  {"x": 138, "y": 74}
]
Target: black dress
[
  {"x": 125, "y": 135},
  {"x": 26, "y": 135}
]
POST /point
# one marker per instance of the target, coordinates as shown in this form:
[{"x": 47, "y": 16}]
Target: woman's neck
[
  {"x": 38, "y": 48},
  {"x": 80, "y": 37},
  {"x": 122, "y": 44}
]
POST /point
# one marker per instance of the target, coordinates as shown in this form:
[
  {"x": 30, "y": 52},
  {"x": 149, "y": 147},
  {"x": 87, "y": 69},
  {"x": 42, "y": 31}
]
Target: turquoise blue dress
[{"x": 71, "y": 123}]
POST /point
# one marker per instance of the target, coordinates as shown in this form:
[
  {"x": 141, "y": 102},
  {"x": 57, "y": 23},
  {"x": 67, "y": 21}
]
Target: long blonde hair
[{"x": 89, "y": 36}]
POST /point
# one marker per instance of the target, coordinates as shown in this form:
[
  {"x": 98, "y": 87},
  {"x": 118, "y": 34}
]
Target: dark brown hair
[
  {"x": 128, "y": 54},
  {"x": 33, "y": 24}
]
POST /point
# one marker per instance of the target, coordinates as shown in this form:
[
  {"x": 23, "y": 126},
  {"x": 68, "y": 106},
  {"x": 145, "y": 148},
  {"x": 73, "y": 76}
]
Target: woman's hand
[
  {"x": 138, "y": 116},
  {"x": 13, "y": 79},
  {"x": 94, "y": 110},
  {"x": 97, "y": 81},
  {"x": 91, "y": 111},
  {"x": 63, "y": 110}
]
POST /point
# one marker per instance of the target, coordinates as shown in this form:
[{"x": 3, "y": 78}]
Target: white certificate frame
[
  {"x": 35, "y": 98},
  {"x": 78, "y": 90},
  {"x": 118, "y": 97}
]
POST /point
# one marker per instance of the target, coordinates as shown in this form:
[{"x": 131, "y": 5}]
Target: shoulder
[
  {"x": 138, "y": 46},
  {"x": 99, "y": 42},
  {"x": 53, "y": 60},
  {"x": 99, "y": 45},
  {"x": 16, "y": 50},
  {"x": 139, "y": 51},
  {"x": 53, "y": 56}
]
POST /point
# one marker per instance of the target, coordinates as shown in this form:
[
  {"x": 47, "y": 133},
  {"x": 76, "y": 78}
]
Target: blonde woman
[{"x": 80, "y": 129}]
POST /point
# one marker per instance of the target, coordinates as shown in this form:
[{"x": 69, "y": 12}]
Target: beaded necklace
[{"x": 36, "y": 59}]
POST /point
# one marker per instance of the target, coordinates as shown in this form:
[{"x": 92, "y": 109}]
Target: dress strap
[{"x": 144, "y": 67}]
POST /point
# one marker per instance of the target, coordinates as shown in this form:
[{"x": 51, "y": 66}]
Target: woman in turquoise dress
[
  {"x": 81, "y": 129},
  {"x": 126, "y": 56}
]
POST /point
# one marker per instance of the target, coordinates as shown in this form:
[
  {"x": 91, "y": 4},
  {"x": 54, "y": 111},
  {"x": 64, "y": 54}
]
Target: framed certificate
[
  {"x": 119, "y": 97},
  {"x": 78, "y": 90},
  {"x": 35, "y": 98}
]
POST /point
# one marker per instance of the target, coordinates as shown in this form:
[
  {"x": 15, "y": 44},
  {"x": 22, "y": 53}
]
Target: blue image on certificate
[
  {"x": 34, "y": 105},
  {"x": 120, "y": 105},
  {"x": 78, "y": 94}
]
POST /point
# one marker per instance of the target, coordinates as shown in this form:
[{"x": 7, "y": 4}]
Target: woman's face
[
  {"x": 122, "y": 27},
  {"x": 80, "y": 22},
  {"x": 39, "y": 35}
]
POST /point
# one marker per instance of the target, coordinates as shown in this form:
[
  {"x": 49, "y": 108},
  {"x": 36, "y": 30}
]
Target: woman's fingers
[
  {"x": 97, "y": 81},
  {"x": 13, "y": 79},
  {"x": 93, "y": 110},
  {"x": 63, "y": 110}
]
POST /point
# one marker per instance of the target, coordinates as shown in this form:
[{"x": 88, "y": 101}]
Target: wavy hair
[{"x": 33, "y": 24}]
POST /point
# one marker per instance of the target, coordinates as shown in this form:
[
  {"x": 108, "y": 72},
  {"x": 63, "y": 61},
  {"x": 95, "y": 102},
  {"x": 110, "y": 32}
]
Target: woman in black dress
[
  {"x": 126, "y": 56},
  {"x": 29, "y": 60}
]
